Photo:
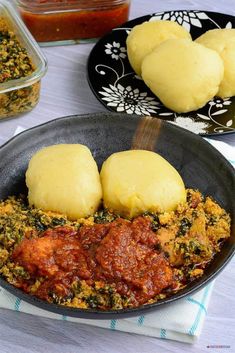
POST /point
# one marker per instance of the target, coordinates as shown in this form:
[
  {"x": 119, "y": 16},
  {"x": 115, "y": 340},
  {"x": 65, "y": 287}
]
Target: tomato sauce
[
  {"x": 122, "y": 253},
  {"x": 74, "y": 25}
]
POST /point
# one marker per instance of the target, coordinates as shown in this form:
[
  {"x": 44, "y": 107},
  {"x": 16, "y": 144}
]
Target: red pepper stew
[
  {"x": 74, "y": 25},
  {"x": 120, "y": 253}
]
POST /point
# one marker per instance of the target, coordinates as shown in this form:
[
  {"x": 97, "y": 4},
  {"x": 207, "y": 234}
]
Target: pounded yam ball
[
  {"x": 223, "y": 41},
  {"x": 136, "y": 181},
  {"x": 64, "y": 178},
  {"x": 145, "y": 37},
  {"x": 183, "y": 74}
]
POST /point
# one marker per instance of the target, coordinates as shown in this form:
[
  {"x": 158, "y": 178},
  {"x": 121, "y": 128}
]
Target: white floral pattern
[
  {"x": 198, "y": 127},
  {"x": 219, "y": 102},
  {"x": 131, "y": 101},
  {"x": 184, "y": 18},
  {"x": 115, "y": 50}
]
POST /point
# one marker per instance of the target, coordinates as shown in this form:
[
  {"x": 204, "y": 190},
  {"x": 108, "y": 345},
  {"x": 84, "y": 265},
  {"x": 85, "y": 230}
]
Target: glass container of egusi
[
  {"x": 54, "y": 22},
  {"x": 22, "y": 65}
]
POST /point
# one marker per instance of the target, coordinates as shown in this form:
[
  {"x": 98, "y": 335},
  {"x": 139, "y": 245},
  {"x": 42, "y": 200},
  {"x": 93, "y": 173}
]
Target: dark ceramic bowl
[{"x": 199, "y": 164}]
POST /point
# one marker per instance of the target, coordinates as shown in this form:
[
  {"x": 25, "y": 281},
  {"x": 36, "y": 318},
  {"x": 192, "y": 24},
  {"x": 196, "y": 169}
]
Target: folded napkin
[{"x": 180, "y": 321}]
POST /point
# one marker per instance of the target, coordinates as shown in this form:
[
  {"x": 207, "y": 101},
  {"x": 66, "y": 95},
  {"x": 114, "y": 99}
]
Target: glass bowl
[
  {"x": 62, "y": 22},
  {"x": 22, "y": 65}
]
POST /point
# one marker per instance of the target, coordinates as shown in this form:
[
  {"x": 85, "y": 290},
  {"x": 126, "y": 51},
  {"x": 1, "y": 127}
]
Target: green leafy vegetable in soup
[{"x": 105, "y": 261}]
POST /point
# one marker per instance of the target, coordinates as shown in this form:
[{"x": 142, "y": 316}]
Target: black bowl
[{"x": 200, "y": 165}]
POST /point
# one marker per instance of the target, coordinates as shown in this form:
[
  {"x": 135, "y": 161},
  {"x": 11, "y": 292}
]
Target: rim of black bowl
[{"x": 128, "y": 312}]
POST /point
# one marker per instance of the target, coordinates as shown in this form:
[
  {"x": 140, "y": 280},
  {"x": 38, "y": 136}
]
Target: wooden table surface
[{"x": 65, "y": 91}]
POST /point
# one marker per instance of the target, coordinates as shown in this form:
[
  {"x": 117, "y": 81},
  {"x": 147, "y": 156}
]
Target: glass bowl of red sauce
[{"x": 59, "y": 22}]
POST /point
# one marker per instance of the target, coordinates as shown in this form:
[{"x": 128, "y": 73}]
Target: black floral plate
[{"x": 116, "y": 85}]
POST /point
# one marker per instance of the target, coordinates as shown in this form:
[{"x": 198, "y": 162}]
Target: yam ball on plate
[
  {"x": 137, "y": 181},
  {"x": 64, "y": 178},
  {"x": 223, "y": 41},
  {"x": 145, "y": 37},
  {"x": 183, "y": 74}
]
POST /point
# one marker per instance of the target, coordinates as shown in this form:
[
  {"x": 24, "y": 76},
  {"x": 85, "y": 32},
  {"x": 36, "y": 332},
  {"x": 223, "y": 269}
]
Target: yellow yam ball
[
  {"x": 145, "y": 37},
  {"x": 64, "y": 178},
  {"x": 223, "y": 41},
  {"x": 136, "y": 181},
  {"x": 183, "y": 74}
]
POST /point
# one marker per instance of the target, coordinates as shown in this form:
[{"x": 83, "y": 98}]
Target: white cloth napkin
[{"x": 181, "y": 321}]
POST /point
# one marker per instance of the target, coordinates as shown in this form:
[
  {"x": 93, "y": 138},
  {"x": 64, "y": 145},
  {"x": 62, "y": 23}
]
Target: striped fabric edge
[
  {"x": 140, "y": 320},
  {"x": 200, "y": 311},
  {"x": 17, "y": 304},
  {"x": 163, "y": 333},
  {"x": 113, "y": 324},
  {"x": 192, "y": 300}
]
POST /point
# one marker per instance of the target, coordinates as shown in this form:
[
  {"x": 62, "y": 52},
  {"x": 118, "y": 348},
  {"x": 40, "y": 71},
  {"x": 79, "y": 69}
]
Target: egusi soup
[{"x": 106, "y": 261}]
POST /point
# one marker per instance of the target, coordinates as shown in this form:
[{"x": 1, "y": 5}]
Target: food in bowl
[
  {"x": 183, "y": 74},
  {"x": 64, "y": 178},
  {"x": 71, "y": 21},
  {"x": 107, "y": 261},
  {"x": 145, "y": 37},
  {"x": 138, "y": 181},
  {"x": 179, "y": 72},
  {"x": 223, "y": 42},
  {"x": 22, "y": 65}
]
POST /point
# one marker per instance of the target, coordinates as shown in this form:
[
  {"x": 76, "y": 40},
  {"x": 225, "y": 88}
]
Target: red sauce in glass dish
[
  {"x": 69, "y": 23},
  {"x": 121, "y": 252}
]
